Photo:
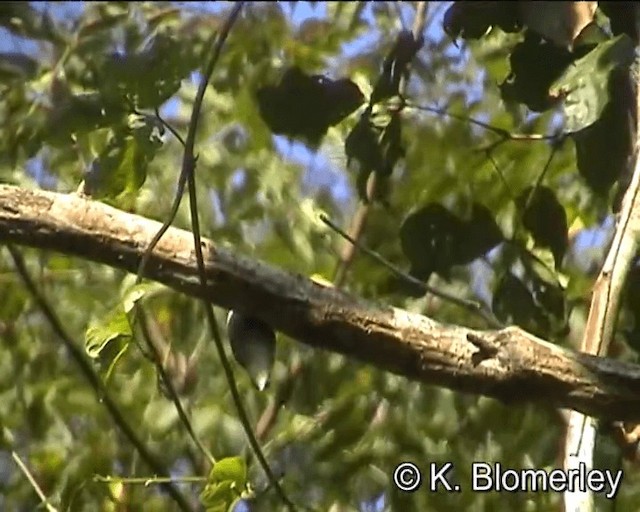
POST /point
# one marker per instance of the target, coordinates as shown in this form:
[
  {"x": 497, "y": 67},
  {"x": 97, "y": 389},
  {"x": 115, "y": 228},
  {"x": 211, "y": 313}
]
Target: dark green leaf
[
  {"x": 544, "y": 217},
  {"x": 306, "y": 106},
  {"x": 122, "y": 165},
  {"x": 513, "y": 304},
  {"x": 603, "y": 149},
  {"x": 631, "y": 299},
  {"x": 632, "y": 289},
  {"x": 551, "y": 298},
  {"x": 433, "y": 239},
  {"x": 623, "y": 17},
  {"x": 395, "y": 66},
  {"x": 584, "y": 85},
  {"x": 428, "y": 239},
  {"x": 17, "y": 66},
  {"x": 375, "y": 142},
  {"x": 481, "y": 234},
  {"x": 362, "y": 144},
  {"x": 74, "y": 114},
  {"x": 534, "y": 67},
  {"x": 149, "y": 76}
]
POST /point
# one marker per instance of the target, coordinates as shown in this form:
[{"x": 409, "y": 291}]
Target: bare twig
[
  {"x": 471, "y": 306},
  {"x": 159, "y": 356},
  {"x": 499, "y": 173},
  {"x": 187, "y": 171},
  {"x": 149, "y": 480},
  {"x": 99, "y": 389},
  {"x": 155, "y": 353},
  {"x": 501, "y": 132},
  {"x": 32, "y": 481},
  {"x": 171, "y": 129}
]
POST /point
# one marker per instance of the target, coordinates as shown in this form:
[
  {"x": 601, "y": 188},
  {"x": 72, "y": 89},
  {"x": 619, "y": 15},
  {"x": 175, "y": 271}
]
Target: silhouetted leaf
[
  {"x": 15, "y": 66},
  {"x": 362, "y": 144},
  {"x": 428, "y": 239},
  {"x": 472, "y": 20},
  {"x": 391, "y": 144},
  {"x": 433, "y": 239},
  {"x": 28, "y": 21},
  {"x": 632, "y": 289},
  {"x": 395, "y": 66},
  {"x": 603, "y": 150},
  {"x": 551, "y": 298},
  {"x": 544, "y": 217},
  {"x": 632, "y": 337},
  {"x": 513, "y": 304},
  {"x": 534, "y": 67},
  {"x": 375, "y": 142},
  {"x": 481, "y": 234},
  {"x": 306, "y": 106},
  {"x": 584, "y": 85},
  {"x": 559, "y": 23}
]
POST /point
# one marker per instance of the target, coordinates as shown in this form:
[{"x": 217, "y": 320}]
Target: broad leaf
[
  {"x": 544, "y": 217},
  {"x": 433, "y": 239},
  {"x": 513, "y": 304},
  {"x": 584, "y": 85},
  {"x": 306, "y": 106}
]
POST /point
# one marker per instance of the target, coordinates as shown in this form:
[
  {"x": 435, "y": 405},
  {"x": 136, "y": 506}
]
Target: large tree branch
[{"x": 509, "y": 364}]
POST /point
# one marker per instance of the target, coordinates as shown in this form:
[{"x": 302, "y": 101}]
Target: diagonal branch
[{"x": 508, "y": 364}]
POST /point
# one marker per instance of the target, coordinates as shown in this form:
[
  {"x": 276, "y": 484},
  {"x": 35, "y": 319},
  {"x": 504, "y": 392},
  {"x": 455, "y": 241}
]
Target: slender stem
[
  {"x": 99, "y": 388},
  {"x": 149, "y": 480},
  {"x": 469, "y": 305},
  {"x": 32, "y": 481},
  {"x": 358, "y": 223},
  {"x": 504, "y": 134},
  {"x": 182, "y": 414},
  {"x": 188, "y": 168}
]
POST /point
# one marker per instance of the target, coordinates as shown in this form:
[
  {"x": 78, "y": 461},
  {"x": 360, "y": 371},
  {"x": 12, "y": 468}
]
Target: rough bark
[{"x": 509, "y": 364}]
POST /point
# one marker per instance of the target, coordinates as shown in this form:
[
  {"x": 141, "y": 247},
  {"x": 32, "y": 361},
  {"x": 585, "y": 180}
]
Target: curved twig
[
  {"x": 471, "y": 306},
  {"x": 187, "y": 171},
  {"x": 99, "y": 388}
]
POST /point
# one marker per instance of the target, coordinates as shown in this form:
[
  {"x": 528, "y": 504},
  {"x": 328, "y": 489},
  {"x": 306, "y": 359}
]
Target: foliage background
[{"x": 347, "y": 425}]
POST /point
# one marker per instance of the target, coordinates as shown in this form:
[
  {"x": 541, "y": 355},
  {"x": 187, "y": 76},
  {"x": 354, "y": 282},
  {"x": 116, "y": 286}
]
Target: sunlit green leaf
[{"x": 584, "y": 84}]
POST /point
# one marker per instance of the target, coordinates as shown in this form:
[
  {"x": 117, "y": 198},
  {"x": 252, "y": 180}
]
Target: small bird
[{"x": 253, "y": 343}]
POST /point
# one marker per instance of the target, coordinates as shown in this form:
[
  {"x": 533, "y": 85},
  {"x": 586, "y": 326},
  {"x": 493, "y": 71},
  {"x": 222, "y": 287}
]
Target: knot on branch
[{"x": 487, "y": 349}]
